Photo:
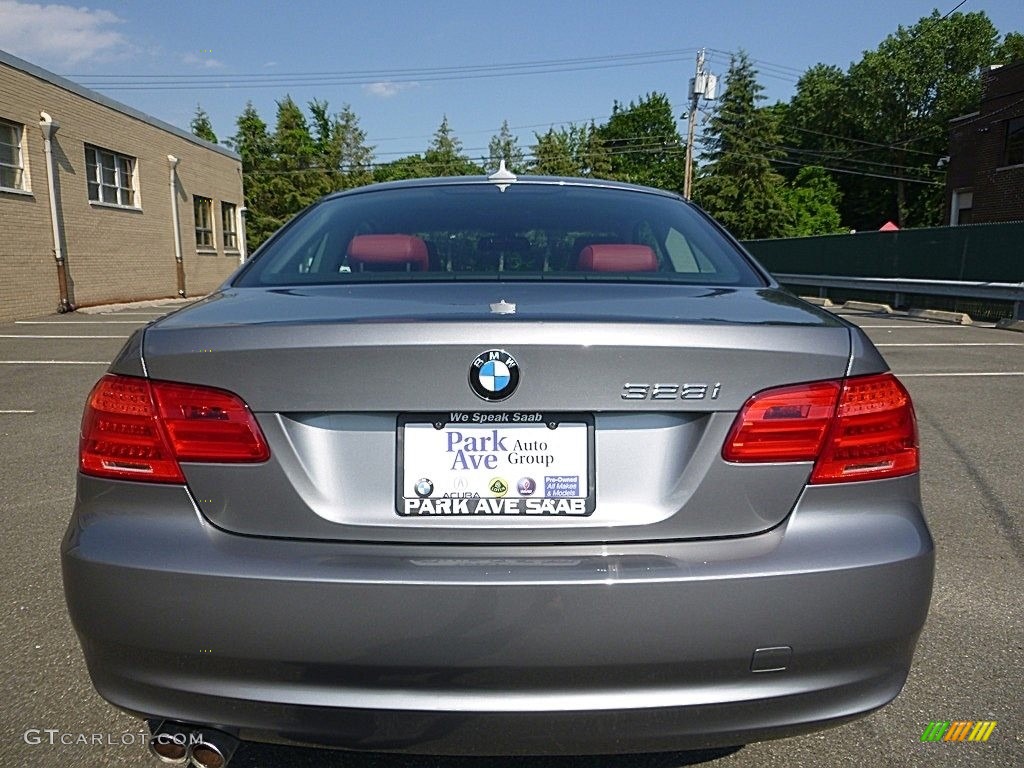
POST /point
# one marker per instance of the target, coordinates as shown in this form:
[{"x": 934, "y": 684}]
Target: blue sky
[{"x": 232, "y": 43}]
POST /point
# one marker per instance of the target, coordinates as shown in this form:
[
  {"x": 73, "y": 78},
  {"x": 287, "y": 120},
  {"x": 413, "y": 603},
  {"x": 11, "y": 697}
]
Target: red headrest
[
  {"x": 389, "y": 249},
  {"x": 617, "y": 258}
]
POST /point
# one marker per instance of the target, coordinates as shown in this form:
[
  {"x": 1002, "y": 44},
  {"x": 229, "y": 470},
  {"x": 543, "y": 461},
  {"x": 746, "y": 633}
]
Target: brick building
[
  {"x": 140, "y": 209},
  {"x": 985, "y": 178}
]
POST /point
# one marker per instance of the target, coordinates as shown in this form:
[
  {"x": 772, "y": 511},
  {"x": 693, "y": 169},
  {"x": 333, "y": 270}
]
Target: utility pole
[{"x": 702, "y": 85}]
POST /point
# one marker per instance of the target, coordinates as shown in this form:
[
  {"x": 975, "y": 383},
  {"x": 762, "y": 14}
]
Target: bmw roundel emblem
[{"x": 494, "y": 375}]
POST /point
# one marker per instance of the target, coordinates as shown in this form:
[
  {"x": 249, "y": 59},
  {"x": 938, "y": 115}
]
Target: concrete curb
[
  {"x": 1008, "y": 324},
  {"x": 957, "y": 318},
  {"x": 162, "y": 303},
  {"x": 818, "y": 300},
  {"x": 868, "y": 306}
]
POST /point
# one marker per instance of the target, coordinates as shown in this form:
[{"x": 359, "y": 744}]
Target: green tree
[
  {"x": 817, "y": 119},
  {"x": 738, "y": 184},
  {"x": 298, "y": 180},
  {"x": 444, "y": 156},
  {"x": 356, "y": 155},
  {"x": 409, "y": 167},
  {"x": 505, "y": 146},
  {"x": 902, "y": 96},
  {"x": 201, "y": 125},
  {"x": 552, "y": 154},
  {"x": 813, "y": 200},
  {"x": 593, "y": 158},
  {"x": 1011, "y": 50},
  {"x": 341, "y": 150},
  {"x": 254, "y": 145},
  {"x": 575, "y": 150},
  {"x": 643, "y": 143}
]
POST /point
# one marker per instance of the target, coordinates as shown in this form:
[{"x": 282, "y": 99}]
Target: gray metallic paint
[
  {"x": 300, "y": 358},
  {"x": 318, "y": 638}
]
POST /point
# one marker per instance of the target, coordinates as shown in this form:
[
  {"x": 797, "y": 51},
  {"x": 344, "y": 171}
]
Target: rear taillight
[
  {"x": 138, "y": 429},
  {"x": 862, "y": 428},
  {"x": 874, "y": 434}
]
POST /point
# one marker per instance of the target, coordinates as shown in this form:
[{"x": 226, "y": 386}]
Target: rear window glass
[{"x": 529, "y": 231}]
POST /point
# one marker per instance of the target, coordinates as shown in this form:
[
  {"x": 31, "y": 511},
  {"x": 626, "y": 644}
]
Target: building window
[
  {"x": 111, "y": 177},
  {"x": 204, "y": 221},
  {"x": 1015, "y": 142},
  {"x": 228, "y": 221},
  {"x": 12, "y": 169}
]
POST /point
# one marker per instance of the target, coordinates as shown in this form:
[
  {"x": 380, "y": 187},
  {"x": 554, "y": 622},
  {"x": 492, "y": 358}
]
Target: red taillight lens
[
  {"x": 874, "y": 434},
  {"x": 861, "y": 428},
  {"x": 207, "y": 424},
  {"x": 137, "y": 429},
  {"x": 784, "y": 424}
]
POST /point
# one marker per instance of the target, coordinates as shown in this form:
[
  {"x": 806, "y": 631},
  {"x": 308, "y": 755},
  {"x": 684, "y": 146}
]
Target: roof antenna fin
[{"x": 503, "y": 176}]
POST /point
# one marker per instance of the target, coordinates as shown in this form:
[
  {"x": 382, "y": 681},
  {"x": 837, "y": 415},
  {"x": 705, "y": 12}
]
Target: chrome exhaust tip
[
  {"x": 170, "y": 743},
  {"x": 214, "y": 749}
]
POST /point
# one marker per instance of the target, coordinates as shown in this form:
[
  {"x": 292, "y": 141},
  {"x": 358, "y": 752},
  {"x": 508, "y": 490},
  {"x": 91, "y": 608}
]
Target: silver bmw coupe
[{"x": 497, "y": 465}]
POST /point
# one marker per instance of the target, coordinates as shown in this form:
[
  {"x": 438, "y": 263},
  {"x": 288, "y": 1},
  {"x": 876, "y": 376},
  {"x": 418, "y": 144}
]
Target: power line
[
  {"x": 476, "y": 72},
  {"x": 955, "y": 8},
  {"x": 408, "y": 71}
]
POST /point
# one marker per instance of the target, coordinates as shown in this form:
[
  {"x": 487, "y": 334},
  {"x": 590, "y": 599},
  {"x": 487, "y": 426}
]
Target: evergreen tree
[
  {"x": 444, "y": 157},
  {"x": 409, "y": 167},
  {"x": 593, "y": 159},
  {"x": 298, "y": 180},
  {"x": 576, "y": 150},
  {"x": 254, "y": 145},
  {"x": 505, "y": 146},
  {"x": 341, "y": 150},
  {"x": 738, "y": 185},
  {"x": 356, "y": 156},
  {"x": 201, "y": 125},
  {"x": 552, "y": 154}
]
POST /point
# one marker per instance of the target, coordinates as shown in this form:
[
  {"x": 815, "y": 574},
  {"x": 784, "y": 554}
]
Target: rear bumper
[{"x": 491, "y": 650}]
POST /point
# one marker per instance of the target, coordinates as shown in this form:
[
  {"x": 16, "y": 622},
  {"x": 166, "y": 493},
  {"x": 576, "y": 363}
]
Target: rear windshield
[{"x": 476, "y": 231}]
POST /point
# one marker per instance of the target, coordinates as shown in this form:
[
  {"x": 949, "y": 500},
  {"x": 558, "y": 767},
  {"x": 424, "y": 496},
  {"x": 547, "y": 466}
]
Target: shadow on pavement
[{"x": 269, "y": 756}]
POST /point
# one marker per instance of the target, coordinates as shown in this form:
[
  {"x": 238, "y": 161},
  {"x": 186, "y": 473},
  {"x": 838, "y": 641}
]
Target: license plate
[{"x": 486, "y": 463}]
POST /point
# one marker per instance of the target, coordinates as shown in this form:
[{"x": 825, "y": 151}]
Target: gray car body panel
[
  {"x": 301, "y": 359},
  {"x": 395, "y": 647}
]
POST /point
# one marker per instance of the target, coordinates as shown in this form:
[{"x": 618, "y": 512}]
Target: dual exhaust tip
[{"x": 179, "y": 744}]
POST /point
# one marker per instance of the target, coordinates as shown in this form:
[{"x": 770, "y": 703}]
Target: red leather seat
[
  {"x": 381, "y": 253},
  {"x": 617, "y": 258}
]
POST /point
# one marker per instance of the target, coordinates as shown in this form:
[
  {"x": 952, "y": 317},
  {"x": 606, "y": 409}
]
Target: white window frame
[
  {"x": 20, "y": 169},
  {"x": 212, "y": 245},
  {"x": 125, "y": 181},
  {"x": 225, "y": 221}
]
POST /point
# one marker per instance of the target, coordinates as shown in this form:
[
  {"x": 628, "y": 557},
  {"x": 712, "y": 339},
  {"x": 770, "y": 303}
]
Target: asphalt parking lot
[{"x": 968, "y": 387}]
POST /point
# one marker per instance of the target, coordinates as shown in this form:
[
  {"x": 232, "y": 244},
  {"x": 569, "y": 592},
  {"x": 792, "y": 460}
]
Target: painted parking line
[
  {"x": 54, "y": 362},
  {"x": 57, "y": 336},
  {"x": 923, "y": 327},
  {"x": 16, "y": 411},
  {"x": 958, "y": 344},
  {"x": 80, "y": 322},
  {"x": 966, "y": 373},
  {"x": 124, "y": 314}
]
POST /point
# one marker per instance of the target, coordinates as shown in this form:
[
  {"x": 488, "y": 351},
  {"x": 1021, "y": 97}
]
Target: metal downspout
[
  {"x": 49, "y": 128},
  {"x": 172, "y": 163}
]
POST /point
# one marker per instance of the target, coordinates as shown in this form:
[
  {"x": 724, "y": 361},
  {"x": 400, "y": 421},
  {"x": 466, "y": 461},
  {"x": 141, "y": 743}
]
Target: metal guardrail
[{"x": 899, "y": 286}]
